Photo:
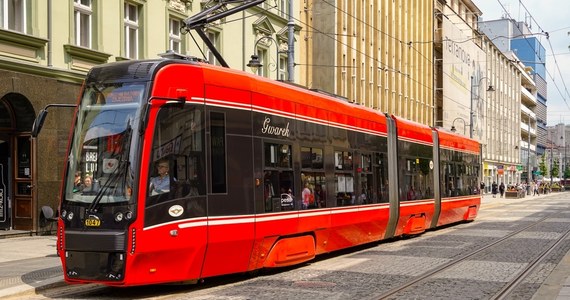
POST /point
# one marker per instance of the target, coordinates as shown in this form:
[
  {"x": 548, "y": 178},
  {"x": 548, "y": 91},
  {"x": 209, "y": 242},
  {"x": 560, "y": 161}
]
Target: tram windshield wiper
[{"x": 116, "y": 176}]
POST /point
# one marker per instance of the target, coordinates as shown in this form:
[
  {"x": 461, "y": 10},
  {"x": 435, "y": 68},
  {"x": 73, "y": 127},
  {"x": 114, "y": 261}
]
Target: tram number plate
[{"x": 93, "y": 222}]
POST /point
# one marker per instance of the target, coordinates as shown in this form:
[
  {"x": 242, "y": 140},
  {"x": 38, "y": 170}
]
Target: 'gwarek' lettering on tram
[{"x": 274, "y": 130}]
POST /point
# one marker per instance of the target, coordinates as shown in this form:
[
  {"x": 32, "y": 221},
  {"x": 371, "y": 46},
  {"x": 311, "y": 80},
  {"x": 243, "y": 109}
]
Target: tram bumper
[{"x": 94, "y": 266}]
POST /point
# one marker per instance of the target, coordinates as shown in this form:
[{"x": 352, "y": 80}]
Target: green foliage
[
  {"x": 542, "y": 165},
  {"x": 555, "y": 168}
]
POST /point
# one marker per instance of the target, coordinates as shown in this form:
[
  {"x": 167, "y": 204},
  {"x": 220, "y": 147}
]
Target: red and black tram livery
[{"x": 261, "y": 174}]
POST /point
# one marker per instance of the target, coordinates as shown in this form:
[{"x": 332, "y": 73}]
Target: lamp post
[
  {"x": 565, "y": 164},
  {"x": 528, "y": 171},
  {"x": 551, "y": 154},
  {"x": 474, "y": 87},
  {"x": 255, "y": 64}
]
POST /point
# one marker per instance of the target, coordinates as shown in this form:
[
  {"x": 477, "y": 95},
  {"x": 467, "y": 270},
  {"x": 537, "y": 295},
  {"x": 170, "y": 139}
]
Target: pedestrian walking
[
  {"x": 494, "y": 189},
  {"x": 535, "y": 188},
  {"x": 502, "y": 189}
]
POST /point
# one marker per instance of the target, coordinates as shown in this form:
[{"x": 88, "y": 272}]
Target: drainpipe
[
  {"x": 290, "y": 45},
  {"x": 49, "y": 45}
]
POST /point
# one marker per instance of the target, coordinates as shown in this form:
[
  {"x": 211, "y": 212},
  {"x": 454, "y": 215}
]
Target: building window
[
  {"x": 13, "y": 15},
  {"x": 175, "y": 39},
  {"x": 262, "y": 55},
  {"x": 131, "y": 30},
  {"x": 283, "y": 8},
  {"x": 283, "y": 68},
  {"x": 214, "y": 37},
  {"x": 83, "y": 12}
]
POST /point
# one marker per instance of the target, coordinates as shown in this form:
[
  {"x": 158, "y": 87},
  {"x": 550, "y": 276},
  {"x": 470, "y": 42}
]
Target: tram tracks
[{"x": 510, "y": 285}]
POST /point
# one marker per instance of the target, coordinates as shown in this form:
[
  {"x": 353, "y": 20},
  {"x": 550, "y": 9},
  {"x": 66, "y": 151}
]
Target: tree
[
  {"x": 555, "y": 169},
  {"x": 542, "y": 165}
]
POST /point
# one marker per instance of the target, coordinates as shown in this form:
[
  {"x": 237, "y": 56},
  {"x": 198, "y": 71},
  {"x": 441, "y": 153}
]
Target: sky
[{"x": 550, "y": 16}]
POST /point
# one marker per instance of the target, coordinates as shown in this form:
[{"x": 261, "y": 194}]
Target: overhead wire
[
  {"x": 382, "y": 66},
  {"x": 538, "y": 55}
]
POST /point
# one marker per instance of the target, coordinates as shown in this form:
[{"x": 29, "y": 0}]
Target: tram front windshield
[{"x": 101, "y": 157}]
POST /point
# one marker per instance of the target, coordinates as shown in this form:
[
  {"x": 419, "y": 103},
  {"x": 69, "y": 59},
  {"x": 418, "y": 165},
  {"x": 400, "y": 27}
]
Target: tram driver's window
[{"x": 177, "y": 155}]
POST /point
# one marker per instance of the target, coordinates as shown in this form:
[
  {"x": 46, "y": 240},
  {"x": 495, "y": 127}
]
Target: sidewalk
[
  {"x": 28, "y": 264},
  {"x": 558, "y": 282}
]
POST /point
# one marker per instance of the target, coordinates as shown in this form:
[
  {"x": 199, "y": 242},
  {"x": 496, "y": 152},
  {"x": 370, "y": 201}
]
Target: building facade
[
  {"x": 501, "y": 144},
  {"x": 526, "y": 50},
  {"x": 378, "y": 54},
  {"x": 478, "y": 90}
]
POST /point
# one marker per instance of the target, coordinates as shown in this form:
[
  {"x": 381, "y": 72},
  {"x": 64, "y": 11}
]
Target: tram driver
[{"x": 160, "y": 183}]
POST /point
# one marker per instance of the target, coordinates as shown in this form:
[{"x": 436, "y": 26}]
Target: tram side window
[
  {"x": 344, "y": 180},
  {"x": 278, "y": 156},
  {"x": 366, "y": 194},
  {"x": 343, "y": 160},
  {"x": 415, "y": 165},
  {"x": 218, "y": 152},
  {"x": 460, "y": 173},
  {"x": 449, "y": 182},
  {"x": 380, "y": 166},
  {"x": 313, "y": 191},
  {"x": 278, "y": 180},
  {"x": 470, "y": 174}
]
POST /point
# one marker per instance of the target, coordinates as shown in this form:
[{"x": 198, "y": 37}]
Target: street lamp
[
  {"x": 453, "y": 129},
  {"x": 490, "y": 88},
  {"x": 254, "y": 64}
]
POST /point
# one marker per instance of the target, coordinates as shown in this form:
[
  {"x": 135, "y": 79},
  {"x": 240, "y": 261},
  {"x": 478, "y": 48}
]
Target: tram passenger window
[
  {"x": 278, "y": 155},
  {"x": 344, "y": 189},
  {"x": 415, "y": 165},
  {"x": 218, "y": 152},
  {"x": 313, "y": 193},
  {"x": 311, "y": 158},
  {"x": 313, "y": 190},
  {"x": 381, "y": 173},
  {"x": 278, "y": 191},
  {"x": 343, "y": 160},
  {"x": 366, "y": 193}
]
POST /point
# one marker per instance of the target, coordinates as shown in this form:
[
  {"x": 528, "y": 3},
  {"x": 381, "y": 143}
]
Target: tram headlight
[
  {"x": 128, "y": 215},
  {"x": 63, "y": 213},
  {"x": 70, "y": 216},
  {"x": 119, "y": 217}
]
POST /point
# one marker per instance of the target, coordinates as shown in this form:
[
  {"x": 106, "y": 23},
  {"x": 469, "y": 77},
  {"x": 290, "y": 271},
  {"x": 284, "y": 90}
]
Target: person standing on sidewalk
[
  {"x": 502, "y": 189},
  {"x": 535, "y": 192},
  {"x": 494, "y": 189}
]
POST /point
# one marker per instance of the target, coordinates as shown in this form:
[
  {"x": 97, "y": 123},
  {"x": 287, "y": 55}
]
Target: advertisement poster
[{"x": 4, "y": 198}]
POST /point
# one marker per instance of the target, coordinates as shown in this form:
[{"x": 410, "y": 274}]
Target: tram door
[{"x": 5, "y": 183}]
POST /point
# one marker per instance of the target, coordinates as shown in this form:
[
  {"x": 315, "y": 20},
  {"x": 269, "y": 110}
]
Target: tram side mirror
[{"x": 39, "y": 122}]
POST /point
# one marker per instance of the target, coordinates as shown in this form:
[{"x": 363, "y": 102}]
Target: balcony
[
  {"x": 524, "y": 145},
  {"x": 524, "y": 128},
  {"x": 526, "y": 113},
  {"x": 527, "y": 97}
]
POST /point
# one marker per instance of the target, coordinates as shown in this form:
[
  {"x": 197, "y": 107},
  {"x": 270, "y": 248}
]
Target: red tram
[{"x": 199, "y": 171}]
